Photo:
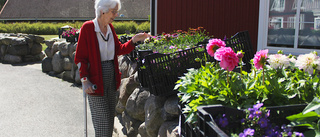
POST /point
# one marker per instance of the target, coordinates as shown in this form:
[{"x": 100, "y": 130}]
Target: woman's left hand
[{"x": 140, "y": 37}]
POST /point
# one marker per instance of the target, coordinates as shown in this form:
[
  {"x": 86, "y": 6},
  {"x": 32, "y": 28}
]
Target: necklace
[{"x": 104, "y": 38}]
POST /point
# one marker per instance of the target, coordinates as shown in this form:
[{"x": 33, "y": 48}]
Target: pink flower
[
  {"x": 228, "y": 58},
  {"x": 240, "y": 55},
  {"x": 260, "y": 58},
  {"x": 213, "y": 45}
]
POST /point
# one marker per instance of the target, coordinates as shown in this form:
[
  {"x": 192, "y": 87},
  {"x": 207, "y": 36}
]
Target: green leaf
[
  {"x": 312, "y": 106},
  {"x": 310, "y": 116}
]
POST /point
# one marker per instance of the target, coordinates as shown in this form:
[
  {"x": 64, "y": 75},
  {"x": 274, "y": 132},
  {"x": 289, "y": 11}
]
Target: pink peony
[
  {"x": 260, "y": 58},
  {"x": 228, "y": 59},
  {"x": 213, "y": 45}
]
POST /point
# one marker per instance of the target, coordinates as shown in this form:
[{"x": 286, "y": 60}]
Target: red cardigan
[{"x": 88, "y": 55}]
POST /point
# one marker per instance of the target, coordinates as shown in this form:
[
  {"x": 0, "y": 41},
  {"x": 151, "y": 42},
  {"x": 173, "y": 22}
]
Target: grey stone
[
  {"x": 46, "y": 64},
  {"x": 133, "y": 68},
  {"x": 63, "y": 48},
  {"x": 153, "y": 110},
  {"x": 120, "y": 107},
  {"x": 57, "y": 62},
  {"x": 19, "y": 41},
  {"x": 67, "y": 64},
  {"x": 54, "y": 48},
  {"x": 36, "y": 49},
  {"x": 130, "y": 124},
  {"x": 36, "y": 38},
  {"x": 124, "y": 66},
  {"x": 75, "y": 46},
  {"x": 3, "y": 50},
  {"x": 77, "y": 77},
  {"x": 136, "y": 103},
  {"x": 49, "y": 43},
  {"x": 29, "y": 42},
  {"x": 19, "y": 50},
  {"x": 7, "y": 40},
  {"x": 70, "y": 50},
  {"x": 171, "y": 105},
  {"x": 167, "y": 116},
  {"x": 123, "y": 95},
  {"x": 142, "y": 130},
  {"x": 66, "y": 75},
  {"x": 12, "y": 59},
  {"x": 169, "y": 129},
  {"x": 48, "y": 52},
  {"x": 31, "y": 58}
]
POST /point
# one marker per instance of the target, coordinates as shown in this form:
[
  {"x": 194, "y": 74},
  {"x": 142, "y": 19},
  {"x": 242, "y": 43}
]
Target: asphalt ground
[{"x": 34, "y": 104}]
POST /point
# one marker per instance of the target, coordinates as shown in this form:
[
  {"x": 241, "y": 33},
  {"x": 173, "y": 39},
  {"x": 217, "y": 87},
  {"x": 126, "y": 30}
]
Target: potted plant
[{"x": 71, "y": 35}]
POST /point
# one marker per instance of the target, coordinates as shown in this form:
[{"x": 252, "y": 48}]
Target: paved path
[{"x": 34, "y": 104}]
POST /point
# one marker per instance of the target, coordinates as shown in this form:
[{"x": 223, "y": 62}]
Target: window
[
  {"x": 317, "y": 23},
  {"x": 278, "y": 5},
  {"x": 276, "y": 22},
  {"x": 284, "y": 32},
  {"x": 291, "y": 22}
]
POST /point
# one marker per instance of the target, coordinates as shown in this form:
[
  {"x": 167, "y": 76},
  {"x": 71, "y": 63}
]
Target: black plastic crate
[
  {"x": 186, "y": 129},
  {"x": 241, "y": 41},
  {"x": 142, "y": 72},
  {"x": 163, "y": 70},
  {"x": 208, "y": 128},
  {"x": 207, "y": 114}
]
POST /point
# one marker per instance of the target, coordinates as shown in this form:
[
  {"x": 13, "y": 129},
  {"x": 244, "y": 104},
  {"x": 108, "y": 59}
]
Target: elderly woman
[{"x": 97, "y": 60}]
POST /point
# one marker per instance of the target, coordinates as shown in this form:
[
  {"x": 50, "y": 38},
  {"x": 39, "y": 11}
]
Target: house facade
[{"x": 271, "y": 24}]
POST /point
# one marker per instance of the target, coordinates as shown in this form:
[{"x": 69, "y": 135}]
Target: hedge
[{"x": 40, "y": 28}]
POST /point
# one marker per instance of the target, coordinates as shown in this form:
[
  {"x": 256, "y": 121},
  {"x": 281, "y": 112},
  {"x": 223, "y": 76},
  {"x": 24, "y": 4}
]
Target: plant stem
[
  {"x": 228, "y": 78},
  {"x": 241, "y": 68},
  {"x": 263, "y": 75}
]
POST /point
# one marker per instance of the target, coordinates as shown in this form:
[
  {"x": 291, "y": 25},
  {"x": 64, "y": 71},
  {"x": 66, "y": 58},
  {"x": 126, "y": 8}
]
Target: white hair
[{"x": 105, "y": 5}]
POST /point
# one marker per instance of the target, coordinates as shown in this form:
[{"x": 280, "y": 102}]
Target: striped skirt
[{"x": 103, "y": 107}]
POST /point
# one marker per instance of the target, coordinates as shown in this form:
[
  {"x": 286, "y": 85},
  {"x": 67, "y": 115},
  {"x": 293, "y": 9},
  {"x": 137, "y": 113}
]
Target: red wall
[{"x": 219, "y": 17}]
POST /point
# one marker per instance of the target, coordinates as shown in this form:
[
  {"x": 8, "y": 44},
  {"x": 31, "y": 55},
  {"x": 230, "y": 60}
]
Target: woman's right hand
[{"x": 87, "y": 87}]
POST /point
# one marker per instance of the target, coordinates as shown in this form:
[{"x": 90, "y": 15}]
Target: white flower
[
  {"x": 278, "y": 61},
  {"x": 307, "y": 62}
]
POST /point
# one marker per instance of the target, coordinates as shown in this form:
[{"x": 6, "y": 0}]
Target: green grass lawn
[{"x": 47, "y": 37}]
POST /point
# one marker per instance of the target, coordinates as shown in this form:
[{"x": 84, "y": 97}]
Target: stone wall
[
  {"x": 19, "y": 48},
  {"x": 59, "y": 60},
  {"x": 141, "y": 113}
]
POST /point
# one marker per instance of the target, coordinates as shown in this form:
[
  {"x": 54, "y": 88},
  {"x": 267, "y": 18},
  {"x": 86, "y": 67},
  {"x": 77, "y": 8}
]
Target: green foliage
[
  {"x": 177, "y": 41},
  {"x": 308, "y": 118},
  {"x": 208, "y": 85},
  {"x": 37, "y": 28},
  {"x": 145, "y": 26},
  {"x": 123, "y": 26},
  {"x": 41, "y": 28}
]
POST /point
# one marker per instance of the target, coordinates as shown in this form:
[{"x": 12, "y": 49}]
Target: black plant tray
[
  {"x": 163, "y": 70},
  {"x": 208, "y": 128}
]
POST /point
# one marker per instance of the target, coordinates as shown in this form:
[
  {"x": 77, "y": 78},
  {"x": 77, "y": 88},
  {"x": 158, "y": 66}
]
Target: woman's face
[{"x": 109, "y": 16}]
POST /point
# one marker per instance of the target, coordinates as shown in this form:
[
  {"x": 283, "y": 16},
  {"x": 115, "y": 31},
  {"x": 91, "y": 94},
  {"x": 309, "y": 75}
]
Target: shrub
[
  {"x": 145, "y": 26},
  {"x": 41, "y": 28}
]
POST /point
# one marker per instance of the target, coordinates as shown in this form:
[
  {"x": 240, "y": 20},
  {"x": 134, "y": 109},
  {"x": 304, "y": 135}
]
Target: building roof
[{"x": 69, "y": 10}]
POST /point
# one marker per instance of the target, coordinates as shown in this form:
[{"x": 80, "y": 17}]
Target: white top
[{"x": 106, "y": 47}]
